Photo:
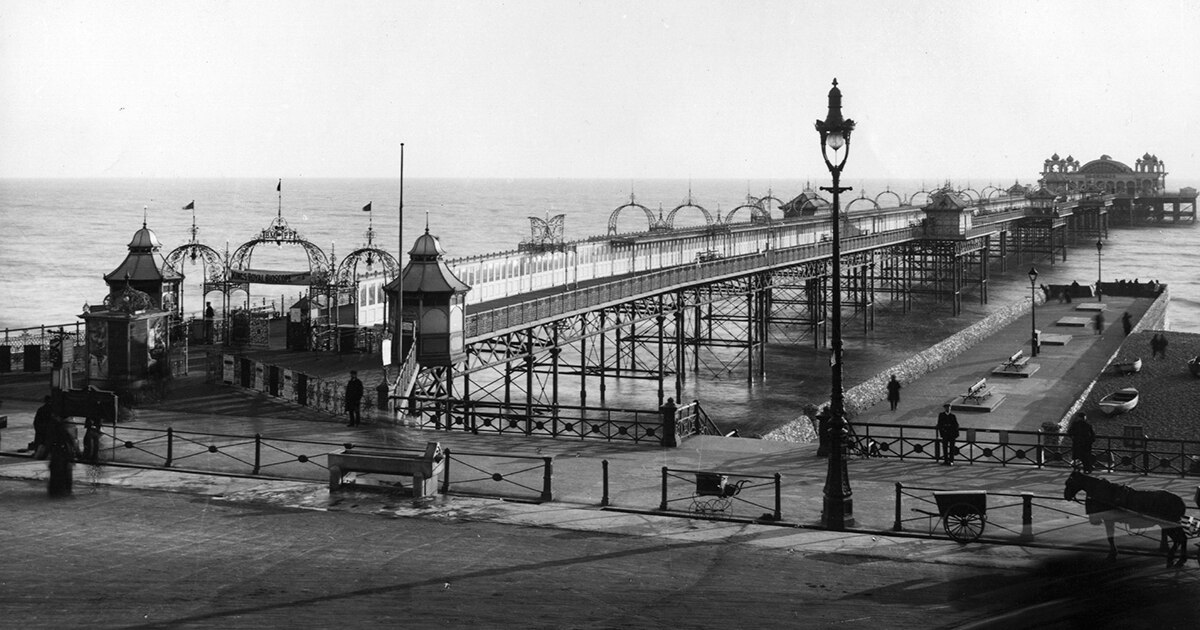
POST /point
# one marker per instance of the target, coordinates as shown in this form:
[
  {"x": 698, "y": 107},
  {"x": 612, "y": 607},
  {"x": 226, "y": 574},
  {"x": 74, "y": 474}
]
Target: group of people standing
[{"x": 57, "y": 440}]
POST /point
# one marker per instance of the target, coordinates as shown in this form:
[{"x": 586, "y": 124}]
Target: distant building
[
  {"x": 1105, "y": 175},
  {"x": 806, "y": 204}
]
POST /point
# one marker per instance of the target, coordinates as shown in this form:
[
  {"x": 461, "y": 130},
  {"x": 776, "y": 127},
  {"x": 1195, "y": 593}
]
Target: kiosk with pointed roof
[
  {"x": 128, "y": 340},
  {"x": 432, "y": 306}
]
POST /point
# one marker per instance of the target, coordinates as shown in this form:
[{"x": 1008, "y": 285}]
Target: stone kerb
[{"x": 873, "y": 390}]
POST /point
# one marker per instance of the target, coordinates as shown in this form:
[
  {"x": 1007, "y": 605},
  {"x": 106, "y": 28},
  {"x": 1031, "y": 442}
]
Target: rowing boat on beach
[
  {"x": 1119, "y": 401},
  {"x": 1127, "y": 367}
]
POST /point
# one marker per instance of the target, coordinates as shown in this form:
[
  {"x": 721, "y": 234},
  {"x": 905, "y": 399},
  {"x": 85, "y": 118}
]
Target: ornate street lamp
[
  {"x": 1099, "y": 255},
  {"x": 838, "y": 508},
  {"x": 1033, "y": 336}
]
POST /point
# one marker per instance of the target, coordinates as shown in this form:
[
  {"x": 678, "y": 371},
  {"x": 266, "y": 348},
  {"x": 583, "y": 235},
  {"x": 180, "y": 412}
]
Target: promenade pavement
[{"x": 239, "y": 549}]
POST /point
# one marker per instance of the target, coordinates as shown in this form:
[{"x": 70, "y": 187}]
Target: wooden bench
[
  {"x": 978, "y": 392},
  {"x": 1016, "y": 362},
  {"x": 423, "y": 469}
]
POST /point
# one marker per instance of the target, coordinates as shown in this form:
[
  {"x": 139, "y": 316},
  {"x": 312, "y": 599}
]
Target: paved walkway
[{"x": 209, "y": 560}]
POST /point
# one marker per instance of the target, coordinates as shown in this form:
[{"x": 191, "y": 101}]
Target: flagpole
[
  {"x": 279, "y": 194},
  {"x": 400, "y": 272}
]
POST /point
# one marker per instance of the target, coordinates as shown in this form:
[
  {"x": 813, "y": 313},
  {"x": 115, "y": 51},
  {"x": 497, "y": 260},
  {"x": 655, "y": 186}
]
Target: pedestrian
[
  {"x": 63, "y": 447},
  {"x": 1127, "y": 323},
  {"x": 670, "y": 430},
  {"x": 1098, "y": 323},
  {"x": 1082, "y": 436},
  {"x": 893, "y": 388},
  {"x": 947, "y": 429},
  {"x": 209, "y": 315},
  {"x": 91, "y": 440},
  {"x": 354, "y": 394},
  {"x": 43, "y": 422}
]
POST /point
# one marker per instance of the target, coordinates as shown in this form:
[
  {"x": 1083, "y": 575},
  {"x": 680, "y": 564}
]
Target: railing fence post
[
  {"x": 170, "y": 446},
  {"x": 257, "y": 453},
  {"x": 446, "y": 471},
  {"x": 547, "y": 475},
  {"x": 897, "y": 526},
  {"x": 663, "y": 504},
  {"x": 778, "y": 497},
  {"x": 1026, "y": 516},
  {"x": 604, "y": 476}
]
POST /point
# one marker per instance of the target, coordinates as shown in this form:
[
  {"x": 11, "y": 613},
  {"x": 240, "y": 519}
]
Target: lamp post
[
  {"x": 1033, "y": 336},
  {"x": 1099, "y": 256},
  {"x": 838, "y": 508}
]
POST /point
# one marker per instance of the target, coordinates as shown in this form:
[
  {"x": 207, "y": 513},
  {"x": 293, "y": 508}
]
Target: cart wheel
[{"x": 964, "y": 523}]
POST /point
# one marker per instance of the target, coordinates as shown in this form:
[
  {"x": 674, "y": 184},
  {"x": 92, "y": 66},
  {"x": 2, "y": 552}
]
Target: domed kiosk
[{"x": 128, "y": 340}]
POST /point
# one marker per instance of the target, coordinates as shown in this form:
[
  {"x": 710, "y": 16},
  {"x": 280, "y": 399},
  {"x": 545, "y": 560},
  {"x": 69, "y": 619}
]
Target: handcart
[
  {"x": 714, "y": 493},
  {"x": 963, "y": 513}
]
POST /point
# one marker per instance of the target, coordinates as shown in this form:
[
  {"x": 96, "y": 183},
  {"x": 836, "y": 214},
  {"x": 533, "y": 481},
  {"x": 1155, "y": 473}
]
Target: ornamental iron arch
[
  {"x": 765, "y": 203},
  {"x": 670, "y": 221},
  {"x": 368, "y": 254},
  {"x": 757, "y": 213},
  {"x": 651, "y": 221},
  {"x": 912, "y": 201},
  {"x": 864, "y": 198},
  {"x": 212, "y": 264},
  {"x": 989, "y": 191},
  {"x": 320, "y": 268},
  {"x": 889, "y": 191}
]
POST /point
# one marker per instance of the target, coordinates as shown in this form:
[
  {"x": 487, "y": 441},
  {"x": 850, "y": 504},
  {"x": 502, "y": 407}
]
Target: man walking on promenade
[
  {"x": 1082, "y": 436},
  {"x": 947, "y": 428},
  {"x": 354, "y": 394},
  {"x": 1098, "y": 322},
  {"x": 893, "y": 388}
]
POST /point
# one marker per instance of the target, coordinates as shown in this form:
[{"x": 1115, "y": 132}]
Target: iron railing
[{"x": 1137, "y": 454}]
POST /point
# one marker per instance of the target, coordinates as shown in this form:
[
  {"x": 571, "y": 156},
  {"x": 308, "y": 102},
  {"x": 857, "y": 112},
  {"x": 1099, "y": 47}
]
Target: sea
[{"x": 58, "y": 237}]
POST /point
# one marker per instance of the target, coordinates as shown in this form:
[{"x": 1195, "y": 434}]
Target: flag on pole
[
  {"x": 367, "y": 208},
  {"x": 191, "y": 205},
  {"x": 279, "y": 186}
]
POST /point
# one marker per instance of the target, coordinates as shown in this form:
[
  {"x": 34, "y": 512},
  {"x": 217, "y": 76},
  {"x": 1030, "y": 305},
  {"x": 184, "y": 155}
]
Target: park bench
[
  {"x": 1016, "y": 362},
  {"x": 423, "y": 469},
  {"x": 978, "y": 392}
]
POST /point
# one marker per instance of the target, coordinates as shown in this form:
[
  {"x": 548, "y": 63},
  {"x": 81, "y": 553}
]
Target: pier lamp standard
[
  {"x": 1033, "y": 274},
  {"x": 838, "y": 508},
  {"x": 1099, "y": 256}
]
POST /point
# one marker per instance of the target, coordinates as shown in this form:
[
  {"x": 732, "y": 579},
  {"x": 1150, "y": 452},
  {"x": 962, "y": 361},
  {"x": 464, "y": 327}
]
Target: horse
[{"x": 1111, "y": 503}]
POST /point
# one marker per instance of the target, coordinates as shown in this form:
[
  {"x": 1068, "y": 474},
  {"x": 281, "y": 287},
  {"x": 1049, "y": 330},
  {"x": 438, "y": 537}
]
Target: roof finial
[
  {"x": 144, "y": 210},
  {"x": 426, "y": 220}
]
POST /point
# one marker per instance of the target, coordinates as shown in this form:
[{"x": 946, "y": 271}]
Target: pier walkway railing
[{"x": 487, "y": 323}]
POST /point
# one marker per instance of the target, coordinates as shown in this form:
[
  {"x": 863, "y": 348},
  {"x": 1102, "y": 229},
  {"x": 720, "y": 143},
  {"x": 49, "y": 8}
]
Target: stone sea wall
[{"x": 874, "y": 390}]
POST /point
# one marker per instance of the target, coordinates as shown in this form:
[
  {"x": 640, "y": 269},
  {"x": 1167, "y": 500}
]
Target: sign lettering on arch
[{"x": 263, "y": 276}]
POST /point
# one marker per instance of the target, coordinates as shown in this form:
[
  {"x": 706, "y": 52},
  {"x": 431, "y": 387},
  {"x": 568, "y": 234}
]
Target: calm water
[{"x": 59, "y": 237}]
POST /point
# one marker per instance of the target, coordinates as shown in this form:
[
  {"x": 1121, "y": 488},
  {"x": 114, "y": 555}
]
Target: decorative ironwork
[
  {"x": 128, "y": 300},
  {"x": 652, "y": 222}
]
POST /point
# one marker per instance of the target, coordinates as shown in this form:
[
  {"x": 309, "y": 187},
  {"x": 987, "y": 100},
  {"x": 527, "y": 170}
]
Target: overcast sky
[{"x": 630, "y": 90}]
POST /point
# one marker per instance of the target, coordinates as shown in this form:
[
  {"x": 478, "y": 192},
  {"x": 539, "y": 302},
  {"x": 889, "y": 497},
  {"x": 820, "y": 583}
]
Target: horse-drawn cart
[{"x": 962, "y": 513}]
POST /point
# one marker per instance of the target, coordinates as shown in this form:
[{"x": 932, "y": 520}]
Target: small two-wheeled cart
[{"x": 962, "y": 513}]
